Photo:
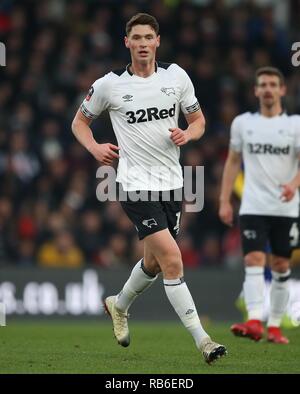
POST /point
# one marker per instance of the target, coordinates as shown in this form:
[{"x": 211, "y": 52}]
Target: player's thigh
[
  {"x": 254, "y": 231},
  {"x": 284, "y": 236}
]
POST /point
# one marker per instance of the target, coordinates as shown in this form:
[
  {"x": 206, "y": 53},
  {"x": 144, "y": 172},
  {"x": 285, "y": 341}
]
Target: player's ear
[
  {"x": 158, "y": 42},
  {"x": 255, "y": 91},
  {"x": 126, "y": 42},
  {"x": 283, "y": 90}
]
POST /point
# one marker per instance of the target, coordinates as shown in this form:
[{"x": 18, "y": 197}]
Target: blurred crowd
[{"x": 49, "y": 213}]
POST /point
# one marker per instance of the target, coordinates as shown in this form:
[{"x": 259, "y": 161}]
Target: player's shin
[
  {"x": 139, "y": 281},
  {"x": 254, "y": 286},
  {"x": 279, "y": 297},
  {"x": 182, "y": 301}
]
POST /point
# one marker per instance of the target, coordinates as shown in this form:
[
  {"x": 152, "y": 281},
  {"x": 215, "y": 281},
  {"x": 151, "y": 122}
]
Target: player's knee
[
  {"x": 280, "y": 264},
  {"x": 171, "y": 265},
  {"x": 172, "y": 271},
  {"x": 255, "y": 259}
]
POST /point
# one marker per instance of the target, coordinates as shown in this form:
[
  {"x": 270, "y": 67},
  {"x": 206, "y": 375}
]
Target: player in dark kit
[{"x": 144, "y": 100}]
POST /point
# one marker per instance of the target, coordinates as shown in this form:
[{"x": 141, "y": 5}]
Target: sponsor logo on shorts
[
  {"x": 250, "y": 234},
  {"x": 149, "y": 222}
]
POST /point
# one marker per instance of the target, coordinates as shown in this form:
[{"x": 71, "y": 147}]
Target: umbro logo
[
  {"x": 149, "y": 222},
  {"x": 189, "y": 311},
  {"x": 249, "y": 132},
  {"x": 168, "y": 91},
  {"x": 127, "y": 97}
]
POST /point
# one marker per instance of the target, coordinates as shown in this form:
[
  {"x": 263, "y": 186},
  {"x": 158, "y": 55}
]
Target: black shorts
[
  {"x": 280, "y": 233},
  {"x": 152, "y": 216}
]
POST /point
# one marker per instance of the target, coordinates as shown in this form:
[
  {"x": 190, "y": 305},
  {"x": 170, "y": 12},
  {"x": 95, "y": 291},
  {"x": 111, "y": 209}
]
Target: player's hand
[
  {"x": 226, "y": 213},
  {"x": 178, "y": 136},
  {"x": 288, "y": 192},
  {"x": 105, "y": 153}
]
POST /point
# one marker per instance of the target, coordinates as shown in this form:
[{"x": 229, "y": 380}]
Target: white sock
[
  {"x": 140, "y": 279},
  {"x": 254, "y": 292},
  {"x": 182, "y": 301},
  {"x": 279, "y": 297}
]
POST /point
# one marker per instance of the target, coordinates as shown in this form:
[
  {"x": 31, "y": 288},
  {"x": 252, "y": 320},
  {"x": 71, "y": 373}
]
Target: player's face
[
  {"x": 269, "y": 90},
  {"x": 142, "y": 42}
]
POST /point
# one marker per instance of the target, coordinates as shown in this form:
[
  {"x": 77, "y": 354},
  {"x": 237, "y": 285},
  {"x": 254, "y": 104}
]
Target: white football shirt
[
  {"x": 270, "y": 148},
  {"x": 141, "y": 111}
]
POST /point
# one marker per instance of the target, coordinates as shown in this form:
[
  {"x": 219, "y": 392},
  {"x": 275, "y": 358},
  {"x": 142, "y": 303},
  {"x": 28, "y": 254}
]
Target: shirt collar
[{"x": 130, "y": 73}]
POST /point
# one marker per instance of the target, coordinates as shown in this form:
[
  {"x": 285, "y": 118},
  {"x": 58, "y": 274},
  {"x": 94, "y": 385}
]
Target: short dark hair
[
  {"x": 268, "y": 70},
  {"x": 142, "y": 19}
]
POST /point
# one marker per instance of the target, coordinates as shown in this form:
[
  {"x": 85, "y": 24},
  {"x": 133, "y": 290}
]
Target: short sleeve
[
  {"x": 236, "y": 142},
  {"x": 97, "y": 99},
  {"x": 188, "y": 100}
]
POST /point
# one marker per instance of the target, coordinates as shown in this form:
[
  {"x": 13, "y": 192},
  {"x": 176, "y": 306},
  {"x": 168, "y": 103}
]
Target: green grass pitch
[{"x": 161, "y": 348}]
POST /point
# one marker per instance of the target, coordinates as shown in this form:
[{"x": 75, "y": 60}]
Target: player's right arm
[
  {"x": 231, "y": 170},
  {"x": 104, "y": 153},
  {"x": 97, "y": 100}
]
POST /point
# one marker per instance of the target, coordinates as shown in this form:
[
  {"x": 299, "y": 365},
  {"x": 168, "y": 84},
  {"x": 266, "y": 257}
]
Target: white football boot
[
  {"x": 119, "y": 320},
  {"x": 211, "y": 350}
]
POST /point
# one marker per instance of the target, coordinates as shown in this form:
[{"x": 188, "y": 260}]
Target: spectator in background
[
  {"x": 26, "y": 253},
  {"x": 210, "y": 251},
  {"x": 114, "y": 254},
  {"x": 19, "y": 162},
  {"x": 61, "y": 252},
  {"x": 7, "y": 236},
  {"x": 190, "y": 255},
  {"x": 91, "y": 235}
]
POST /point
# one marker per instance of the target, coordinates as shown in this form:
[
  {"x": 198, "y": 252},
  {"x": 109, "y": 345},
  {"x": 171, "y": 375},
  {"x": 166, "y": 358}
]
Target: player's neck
[
  {"x": 270, "y": 112},
  {"x": 143, "y": 70}
]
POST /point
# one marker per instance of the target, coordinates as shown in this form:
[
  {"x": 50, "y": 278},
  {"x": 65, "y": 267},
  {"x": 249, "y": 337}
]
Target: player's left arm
[
  {"x": 194, "y": 131},
  {"x": 289, "y": 189}
]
